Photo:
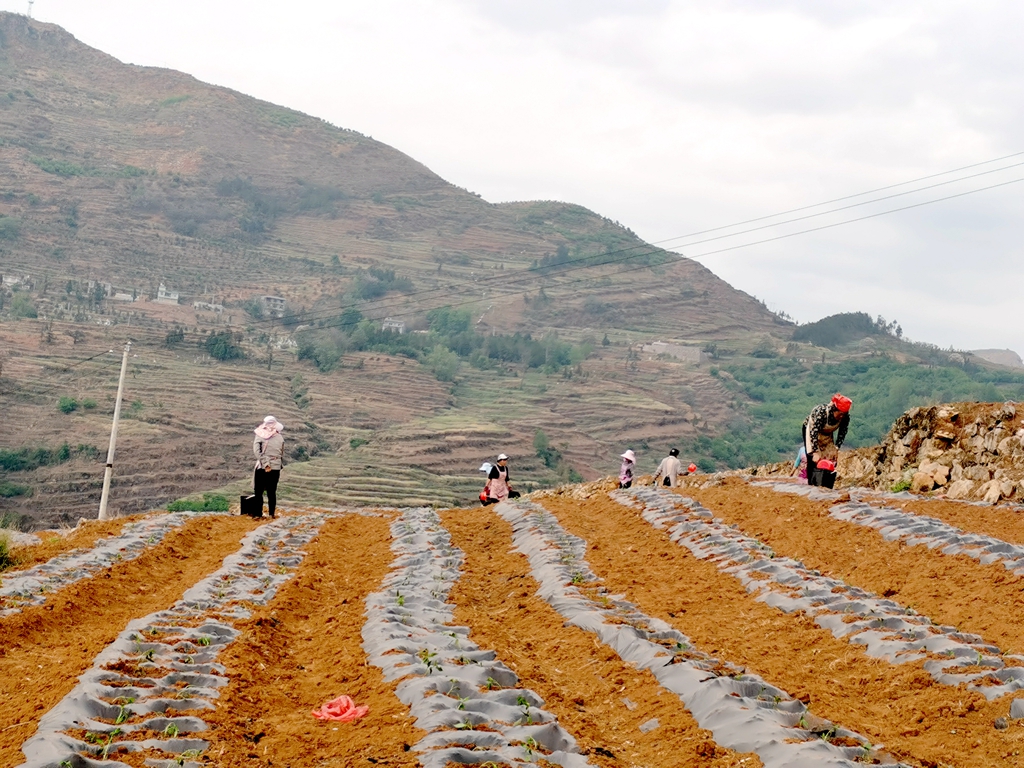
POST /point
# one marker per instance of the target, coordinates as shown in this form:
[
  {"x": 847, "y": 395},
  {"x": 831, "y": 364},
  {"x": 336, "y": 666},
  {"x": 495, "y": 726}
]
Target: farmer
[
  {"x": 626, "y": 470},
  {"x": 825, "y": 430},
  {"x": 268, "y": 448},
  {"x": 498, "y": 486},
  {"x": 669, "y": 469},
  {"x": 800, "y": 464}
]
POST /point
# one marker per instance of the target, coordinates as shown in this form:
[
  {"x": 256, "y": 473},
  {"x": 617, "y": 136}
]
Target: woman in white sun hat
[
  {"x": 268, "y": 448},
  {"x": 626, "y": 470},
  {"x": 499, "y": 487}
]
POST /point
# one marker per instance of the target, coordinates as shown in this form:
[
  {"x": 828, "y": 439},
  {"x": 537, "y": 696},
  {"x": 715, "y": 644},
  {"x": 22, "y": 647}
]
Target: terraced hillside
[
  {"x": 720, "y": 624},
  {"x": 117, "y": 179}
]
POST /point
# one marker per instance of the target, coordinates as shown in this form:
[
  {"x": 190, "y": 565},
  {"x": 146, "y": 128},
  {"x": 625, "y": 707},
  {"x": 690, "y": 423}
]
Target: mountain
[
  {"x": 1006, "y": 357},
  {"x": 139, "y": 203}
]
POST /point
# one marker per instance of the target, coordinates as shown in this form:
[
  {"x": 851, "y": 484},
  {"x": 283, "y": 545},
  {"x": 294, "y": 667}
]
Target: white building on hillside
[{"x": 166, "y": 296}]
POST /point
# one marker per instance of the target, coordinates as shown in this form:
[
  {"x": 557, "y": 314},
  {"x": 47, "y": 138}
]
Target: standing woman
[
  {"x": 626, "y": 470},
  {"x": 269, "y": 450},
  {"x": 825, "y": 430}
]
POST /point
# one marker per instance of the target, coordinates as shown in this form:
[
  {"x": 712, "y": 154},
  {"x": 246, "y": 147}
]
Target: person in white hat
[
  {"x": 626, "y": 470},
  {"x": 268, "y": 448},
  {"x": 499, "y": 487}
]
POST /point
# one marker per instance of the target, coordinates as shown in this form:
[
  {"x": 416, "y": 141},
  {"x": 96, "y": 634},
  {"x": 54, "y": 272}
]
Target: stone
[
  {"x": 938, "y": 472},
  {"x": 978, "y": 472},
  {"x": 1007, "y": 486},
  {"x": 991, "y": 492},
  {"x": 921, "y": 482},
  {"x": 945, "y": 434},
  {"x": 991, "y": 442},
  {"x": 1006, "y": 445},
  {"x": 957, "y": 472},
  {"x": 1001, "y": 724},
  {"x": 971, "y": 429},
  {"x": 1008, "y": 412},
  {"x": 960, "y": 489}
]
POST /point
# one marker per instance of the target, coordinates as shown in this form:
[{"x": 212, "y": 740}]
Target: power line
[
  {"x": 860, "y": 218},
  {"x": 848, "y": 197}
]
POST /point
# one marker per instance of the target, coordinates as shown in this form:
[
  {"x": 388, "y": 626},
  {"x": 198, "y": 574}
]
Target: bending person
[
  {"x": 825, "y": 430},
  {"x": 499, "y": 486}
]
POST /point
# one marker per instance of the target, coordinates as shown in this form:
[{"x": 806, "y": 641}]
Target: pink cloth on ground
[{"x": 342, "y": 709}]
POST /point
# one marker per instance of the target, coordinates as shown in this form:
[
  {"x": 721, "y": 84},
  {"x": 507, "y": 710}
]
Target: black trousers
[{"x": 267, "y": 481}]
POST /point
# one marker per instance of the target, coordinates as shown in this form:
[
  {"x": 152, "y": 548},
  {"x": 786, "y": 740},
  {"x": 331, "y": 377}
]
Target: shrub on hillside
[
  {"x": 67, "y": 405},
  {"x": 211, "y": 502},
  {"x": 22, "y": 306},
  {"x": 222, "y": 346},
  {"x": 10, "y": 228},
  {"x": 9, "y": 490},
  {"x": 443, "y": 363},
  {"x": 27, "y": 459},
  {"x": 837, "y": 330}
]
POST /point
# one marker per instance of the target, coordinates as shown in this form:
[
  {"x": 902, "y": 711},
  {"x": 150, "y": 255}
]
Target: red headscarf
[{"x": 841, "y": 403}]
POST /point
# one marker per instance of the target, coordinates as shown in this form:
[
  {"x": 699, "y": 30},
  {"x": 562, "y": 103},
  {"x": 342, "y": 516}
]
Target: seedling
[
  {"x": 400, "y": 598},
  {"x": 203, "y": 641},
  {"x": 529, "y": 746},
  {"x": 123, "y": 713},
  {"x": 149, "y": 655},
  {"x": 466, "y": 726},
  {"x": 188, "y": 754},
  {"x": 171, "y": 730},
  {"x": 109, "y": 743},
  {"x": 491, "y": 684},
  {"x": 429, "y": 658},
  {"x": 577, "y": 577},
  {"x": 828, "y": 735},
  {"x": 65, "y": 764}
]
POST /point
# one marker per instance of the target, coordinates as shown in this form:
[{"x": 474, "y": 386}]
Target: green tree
[
  {"x": 222, "y": 346},
  {"x": 22, "y": 306},
  {"x": 443, "y": 363}
]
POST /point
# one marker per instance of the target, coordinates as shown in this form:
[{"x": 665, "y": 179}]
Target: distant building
[
  {"x": 273, "y": 306},
  {"x": 390, "y": 324},
  {"x": 165, "y": 296},
  {"x": 206, "y": 307},
  {"x": 678, "y": 351},
  {"x": 123, "y": 297}
]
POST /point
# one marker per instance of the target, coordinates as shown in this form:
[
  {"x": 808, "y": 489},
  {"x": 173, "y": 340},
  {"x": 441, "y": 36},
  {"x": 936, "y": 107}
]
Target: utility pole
[{"x": 113, "y": 436}]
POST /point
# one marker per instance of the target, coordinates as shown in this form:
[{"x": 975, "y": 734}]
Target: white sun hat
[{"x": 629, "y": 455}]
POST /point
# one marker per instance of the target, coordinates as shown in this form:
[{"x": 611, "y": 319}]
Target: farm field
[{"x": 728, "y": 623}]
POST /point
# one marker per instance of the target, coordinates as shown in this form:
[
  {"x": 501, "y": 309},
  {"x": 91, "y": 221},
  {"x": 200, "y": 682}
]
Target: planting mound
[{"x": 745, "y": 623}]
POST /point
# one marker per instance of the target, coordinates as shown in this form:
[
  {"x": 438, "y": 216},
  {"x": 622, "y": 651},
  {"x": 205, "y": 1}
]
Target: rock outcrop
[{"x": 970, "y": 451}]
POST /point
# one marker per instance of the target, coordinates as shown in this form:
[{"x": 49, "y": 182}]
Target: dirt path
[
  {"x": 45, "y": 648},
  {"x": 582, "y": 682},
  {"x": 918, "y": 720},
  {"x": 956, "y": 590},
  {"x": 305, "y": 648},
  {"x": 53, "y": 544}
]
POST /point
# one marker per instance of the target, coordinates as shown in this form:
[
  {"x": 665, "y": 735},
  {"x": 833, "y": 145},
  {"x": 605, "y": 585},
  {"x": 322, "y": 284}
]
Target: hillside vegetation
[{"x": 139, "y": 203}]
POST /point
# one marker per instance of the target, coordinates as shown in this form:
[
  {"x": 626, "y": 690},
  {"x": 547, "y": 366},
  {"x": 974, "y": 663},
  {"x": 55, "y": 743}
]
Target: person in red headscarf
[{"x": 825, "y": 430}]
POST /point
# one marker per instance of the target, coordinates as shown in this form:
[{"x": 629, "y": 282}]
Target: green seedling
[
  {"x": 171, "y": 730},
  {"x": 149, "y": 655},
  {"x": 529, "y": 747},
  {"x": 577, "y": 577},
  {"x": 429, "y": 658},
  {"x": 491, "y": 684},
  {"x": 203, "y": 641},
  {"x": 65, "y": 764},
  {"x": 466, "y": 726},
  {"x": 109, "y": 743},
  {"x": 400, "y": 598},
  {"x": 188, "y": 660},
  {"x": 123, "y": 713},
  {"x": 828, "y": 735},
  {"x": 188, "y": 754},
  {"x": 186, "y": 693}
]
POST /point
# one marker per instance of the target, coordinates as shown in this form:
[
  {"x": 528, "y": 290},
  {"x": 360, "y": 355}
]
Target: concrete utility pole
[{"x": 113, "y": 436}]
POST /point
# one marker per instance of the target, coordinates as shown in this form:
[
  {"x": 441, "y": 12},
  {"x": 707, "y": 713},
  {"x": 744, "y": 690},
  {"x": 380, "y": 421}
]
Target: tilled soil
[
  {"x": 598, "y": 698},
  {"x": 45, "y": 648},
  {"x": 305, "y": 648},
  {"x": 956, "y": 590},
  {"x": 1000, "y": 522},
  {"x": 84, "y": 536},
  {"x": 918, "y": 720}
]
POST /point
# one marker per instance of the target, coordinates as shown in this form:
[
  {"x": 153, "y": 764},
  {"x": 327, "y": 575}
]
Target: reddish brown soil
[
  {"x": 1000, "y": 522},
  {"x": 45, "y": 648},
  {"x": 918, "y": 720},
  {"x": 84, "y": 536},
  {"x": 955, "y": 590},
  {"x": 305, "y": 648},
  {"x": 582, "y": 682}
]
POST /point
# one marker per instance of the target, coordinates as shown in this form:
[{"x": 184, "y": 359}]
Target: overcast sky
[{"x": 670, "y": 117}]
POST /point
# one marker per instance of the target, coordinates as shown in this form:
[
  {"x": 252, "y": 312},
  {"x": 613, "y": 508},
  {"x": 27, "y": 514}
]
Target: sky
[{"x": 673, "y": 118}]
